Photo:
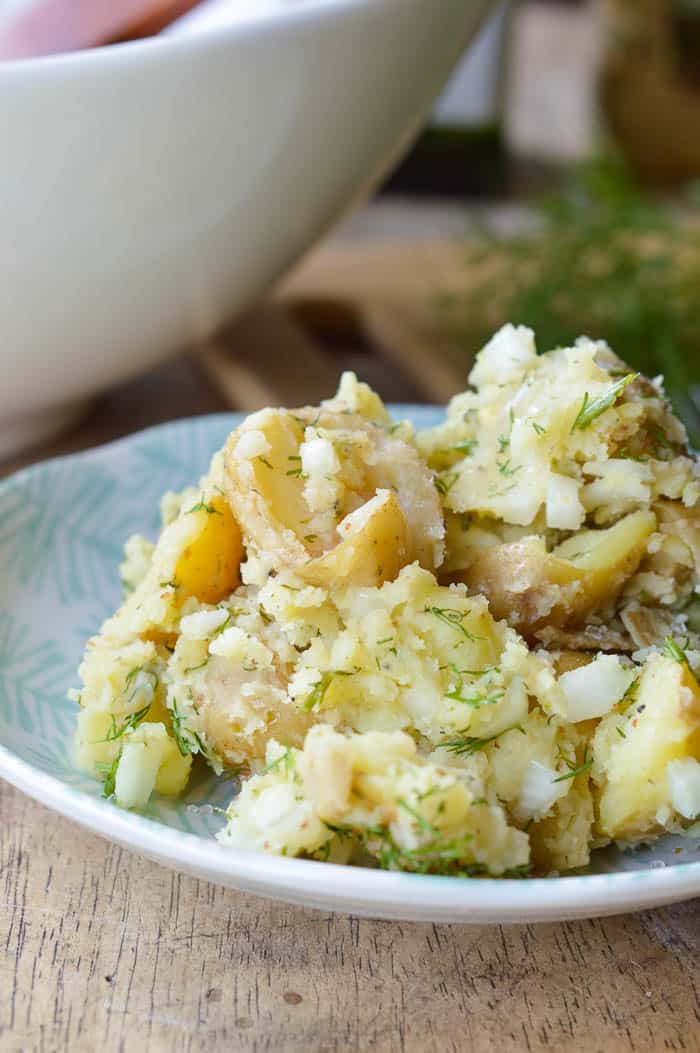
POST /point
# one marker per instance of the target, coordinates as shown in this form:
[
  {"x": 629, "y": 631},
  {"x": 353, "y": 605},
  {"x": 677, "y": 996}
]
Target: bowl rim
[{"x": 159, "y": 47}]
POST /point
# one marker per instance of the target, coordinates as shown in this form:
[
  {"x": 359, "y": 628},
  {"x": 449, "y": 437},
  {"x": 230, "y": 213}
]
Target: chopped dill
[
  {"x": 316, "y": 695},
  {"x": 505, "y": 467},
  {"x": 286, "y": 758},
  {"x": 132, "y": 721},
  {"x": 194, "y": 668},
  {"x": 202, "y": 506},
  {"x": 420, "y": 820},
  {"x": 466, "y": 446},
  {"x": 630, "y": 694},
  {"x": 475, "y": 701},
  {"x": 453, "y": 618},
  {"x": 574, "y": 770},
  {"x": 522, "y": 871},
  {"x": 444, "y": 483},
  {"x": 187, "y": 741},
  {"x": 591, "y": 409},
  {"x": 470, "y": 744},
  {"x": 495, "y": 491},
  {"x": 672, "y": 650},
  {"x": 109, "y": 775}
]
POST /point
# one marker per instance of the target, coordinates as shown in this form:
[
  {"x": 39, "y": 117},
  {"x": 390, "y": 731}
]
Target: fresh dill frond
[
  {"x": 475, "y": 700},
  {"x": 604, "y": 258},
  {"x": 189, "y": 741},
  {"x": 419, "y": 819},
  {"x": 467, "y": 745},
  {"x": 286, "y": 758},
  {"x": 202, "y": 506},
  {"x": 453, "y": 618},
  {"x": 672, "y": 650},
  {"x": 465, "y": 447},
  {"x": 317, "y": 694},
  {"x": 575, "y": 769},
  {"x": 506, "y": 468},
  {"x": 194, "y": 668},
  {"x": 108, "y": 771},
  {"x": 116, "y": 731},
  {"x": 591, "y": 409},
  {"x": 445, "y": 482}
]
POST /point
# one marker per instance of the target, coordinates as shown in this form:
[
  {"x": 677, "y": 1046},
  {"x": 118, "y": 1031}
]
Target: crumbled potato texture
[{"x": 468, "y": 651}]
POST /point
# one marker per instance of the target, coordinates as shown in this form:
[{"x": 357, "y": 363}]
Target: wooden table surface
[{"x": 106, "y": 951}]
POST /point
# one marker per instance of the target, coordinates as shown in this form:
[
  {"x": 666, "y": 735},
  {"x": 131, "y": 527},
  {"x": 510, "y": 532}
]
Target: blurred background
[{"x": 556, "y": 184}]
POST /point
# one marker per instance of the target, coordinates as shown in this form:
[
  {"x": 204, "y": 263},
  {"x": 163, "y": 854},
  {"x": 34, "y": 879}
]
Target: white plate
[{"x": 62, "y": 526}]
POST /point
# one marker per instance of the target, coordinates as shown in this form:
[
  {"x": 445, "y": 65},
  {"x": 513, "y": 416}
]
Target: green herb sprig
[
  {"x": 672, "y": 650},
  {"x": 603, "y": 258},
  {"x": 470, "y": 744},
  {"x": 591, "y": 409},
  {"x": 575, "y": 769},
  {"x": 454, "y": 618}
]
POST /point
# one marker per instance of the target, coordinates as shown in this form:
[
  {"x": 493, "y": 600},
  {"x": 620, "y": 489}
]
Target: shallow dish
[{"x": 62, "y": 527}]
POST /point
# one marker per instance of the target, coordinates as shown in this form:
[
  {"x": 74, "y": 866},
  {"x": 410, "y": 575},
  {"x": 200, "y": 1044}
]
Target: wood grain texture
[{"x": 106, "y": 951}]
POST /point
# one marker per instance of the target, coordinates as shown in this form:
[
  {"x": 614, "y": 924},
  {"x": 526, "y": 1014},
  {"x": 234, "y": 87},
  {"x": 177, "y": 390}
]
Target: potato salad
[{"x": 468, "y": 651}]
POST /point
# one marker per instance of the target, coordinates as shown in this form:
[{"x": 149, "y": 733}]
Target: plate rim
[{"x": 339, "y": 887}]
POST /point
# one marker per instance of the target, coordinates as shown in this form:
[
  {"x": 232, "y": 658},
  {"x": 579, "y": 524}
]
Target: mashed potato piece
[
  {"x": 556, "y": 473},
  {"x": 348, "y": 796},
  {"x": 467, "y": 651}
]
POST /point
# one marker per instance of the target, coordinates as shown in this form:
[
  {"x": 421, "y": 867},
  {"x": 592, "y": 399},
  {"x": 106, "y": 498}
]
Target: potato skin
[
  {"x": 372, "y": 555},
  {"x": 532, "y": 588},
  {"x": 268, "y": 495}
]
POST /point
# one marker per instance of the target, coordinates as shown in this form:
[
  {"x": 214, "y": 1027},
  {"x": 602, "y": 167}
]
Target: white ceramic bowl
[{"x": 149, "y": 191}]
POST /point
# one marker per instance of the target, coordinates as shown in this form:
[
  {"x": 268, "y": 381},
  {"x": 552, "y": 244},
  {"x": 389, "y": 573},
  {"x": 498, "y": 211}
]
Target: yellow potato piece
[
  {"x": 563, "y": 840},
  {"x": 632, "y": 750},
  {"x": 149, "y": 759},
  {"x": 373, "y": 552},
  {"x": 269, "y": 495},
  {"x": 531, "y": 587},
  {"x": 208, "y": 568}
]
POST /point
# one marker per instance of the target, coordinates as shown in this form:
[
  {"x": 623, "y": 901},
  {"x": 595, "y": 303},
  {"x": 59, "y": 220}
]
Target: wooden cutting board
[{"x": 379, "y": 304}]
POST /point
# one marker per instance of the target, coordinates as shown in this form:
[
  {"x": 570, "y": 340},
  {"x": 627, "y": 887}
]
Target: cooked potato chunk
[
  {"x": 208, "y": 567},
  {"x": 531, "y": 587},
  {"x": 149, "y": 760},
  {"x": 373, "y": 793},
  {"x": 632, "y": 750},
  {"x": 374, "y": 546},
  {"x": 197, "y": 556},
  {"x": 563, "y": 840},
  {"x": 294, "y": 478}
]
